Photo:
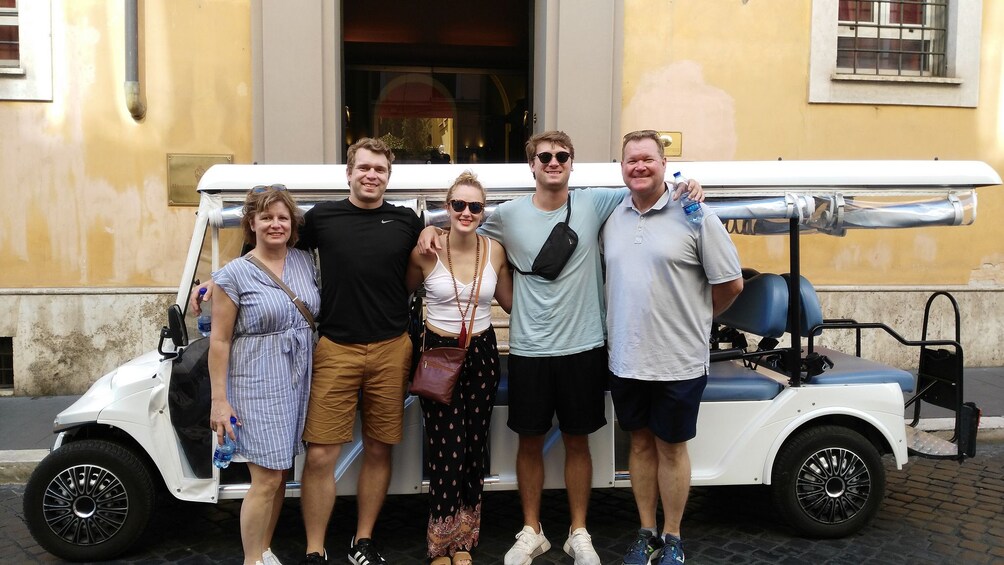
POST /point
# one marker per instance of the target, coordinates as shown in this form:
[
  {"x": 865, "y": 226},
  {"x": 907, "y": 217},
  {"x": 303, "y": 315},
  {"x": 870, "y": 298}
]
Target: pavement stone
[{"x": 934, "y": 512}]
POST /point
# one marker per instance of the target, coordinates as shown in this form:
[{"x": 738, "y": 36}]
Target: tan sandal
[
  {"x": 441, "y": 560},
  {"x": 462, "y": 558}
]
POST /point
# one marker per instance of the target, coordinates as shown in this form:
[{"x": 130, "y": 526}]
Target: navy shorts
[
  {"x": 668, "y": 408},
  {"x": 571, "y": 386}
]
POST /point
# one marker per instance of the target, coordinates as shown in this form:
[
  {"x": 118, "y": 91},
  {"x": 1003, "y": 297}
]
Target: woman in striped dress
[{"x": 260, "y": 358}]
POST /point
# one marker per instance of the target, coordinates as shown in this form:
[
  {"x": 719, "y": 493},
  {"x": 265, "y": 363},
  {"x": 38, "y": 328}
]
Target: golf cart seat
[
  {"x": 847, "y": 369},
  {"x": 760, "y": 309}
]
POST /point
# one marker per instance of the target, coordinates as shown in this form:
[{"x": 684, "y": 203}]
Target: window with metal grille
[
  {"x": 6, "y": 362},
  {"x": 892, "y": 37},
  {"x": 10, "y": 46}
]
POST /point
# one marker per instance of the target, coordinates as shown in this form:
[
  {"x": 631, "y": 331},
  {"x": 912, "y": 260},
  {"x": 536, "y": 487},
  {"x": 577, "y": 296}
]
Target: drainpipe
[{"x": 134, "y": 99}]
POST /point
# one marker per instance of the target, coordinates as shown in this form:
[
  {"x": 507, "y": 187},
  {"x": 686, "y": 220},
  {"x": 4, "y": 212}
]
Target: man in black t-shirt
[{"x": 363, "y": 244}]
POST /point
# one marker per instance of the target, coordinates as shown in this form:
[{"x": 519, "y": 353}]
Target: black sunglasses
[
  {"x": 459, "y": 205},
  {"x": 545, "y": 156},
  {"x": 264, "y": 188}
]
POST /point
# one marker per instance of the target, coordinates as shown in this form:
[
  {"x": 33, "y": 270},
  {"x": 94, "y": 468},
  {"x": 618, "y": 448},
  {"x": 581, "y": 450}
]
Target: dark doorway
[
  {"x": 6, "y": 363},
  {"x": 443, "y": 81}
]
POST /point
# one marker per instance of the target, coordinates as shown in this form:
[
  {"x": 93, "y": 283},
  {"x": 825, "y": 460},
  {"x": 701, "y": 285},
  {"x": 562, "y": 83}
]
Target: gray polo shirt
[{"x": 660, "y": 269}]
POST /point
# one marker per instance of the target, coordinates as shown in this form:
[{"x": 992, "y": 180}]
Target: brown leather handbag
[
  {"x": 439, "y": 367},
  {"x": 437, "y": 373}
]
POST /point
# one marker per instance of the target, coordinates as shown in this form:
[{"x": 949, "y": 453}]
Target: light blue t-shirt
[{"x": 566, "y": 315}]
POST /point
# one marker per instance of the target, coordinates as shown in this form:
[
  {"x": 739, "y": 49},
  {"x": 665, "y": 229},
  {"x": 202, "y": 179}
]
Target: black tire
[
  {"x": 88, "y": 500},
  {"x": 828, "y": 482}
]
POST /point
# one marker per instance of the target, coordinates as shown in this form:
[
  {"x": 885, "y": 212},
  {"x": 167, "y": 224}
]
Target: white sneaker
[
  {"x": 269, "y": 558},
  {"x": 580, "y": 546},
  {"x": 529, "y": 544}
]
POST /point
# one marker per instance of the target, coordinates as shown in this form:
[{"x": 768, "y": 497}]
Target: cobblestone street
[{"x": 933, "y": 512}]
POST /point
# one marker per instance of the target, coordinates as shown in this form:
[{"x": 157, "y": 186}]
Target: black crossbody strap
[
  {"x": 296, "y": 299},
  {"x": 568, "y": 217}
]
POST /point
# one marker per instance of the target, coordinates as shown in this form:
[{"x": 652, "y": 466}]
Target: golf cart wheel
[
  {"x": 88, "y": 500},
  {"x": 828, "y": 482}
]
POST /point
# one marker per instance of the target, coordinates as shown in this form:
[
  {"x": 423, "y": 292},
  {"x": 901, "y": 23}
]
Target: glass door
[{"x": 440, "y": 82}]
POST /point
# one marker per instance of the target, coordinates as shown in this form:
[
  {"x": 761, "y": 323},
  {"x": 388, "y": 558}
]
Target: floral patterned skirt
[{"x": 458, "y": 447}]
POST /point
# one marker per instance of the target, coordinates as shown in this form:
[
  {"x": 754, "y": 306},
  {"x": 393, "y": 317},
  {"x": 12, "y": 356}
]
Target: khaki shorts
[{"x": 341, "y": 371}]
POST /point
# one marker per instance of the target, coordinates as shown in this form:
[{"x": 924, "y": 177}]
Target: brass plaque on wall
[
  {"x": 183, "y": 174},
  {"x": 672, "y": 143}
]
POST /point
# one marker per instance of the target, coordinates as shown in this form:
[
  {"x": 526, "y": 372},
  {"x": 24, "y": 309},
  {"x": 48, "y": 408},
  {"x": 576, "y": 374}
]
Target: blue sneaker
[
  {"x": 644, "y": 549},
  {"x": 672, "y": 551}
]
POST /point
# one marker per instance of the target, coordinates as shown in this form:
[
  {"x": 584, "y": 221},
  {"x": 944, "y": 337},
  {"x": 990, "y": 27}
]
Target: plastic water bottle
[
  {"x": 205, "y": 321},
  {"x": 224, "y": 453},
  {"x": 691, "y": 208}
]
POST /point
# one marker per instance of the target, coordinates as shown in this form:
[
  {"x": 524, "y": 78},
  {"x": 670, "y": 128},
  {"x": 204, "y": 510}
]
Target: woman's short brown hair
[{"x": 259, "y": 199}]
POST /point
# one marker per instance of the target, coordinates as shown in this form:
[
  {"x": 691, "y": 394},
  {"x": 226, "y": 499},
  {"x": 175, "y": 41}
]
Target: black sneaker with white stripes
[{"x": 364, "y": 552}]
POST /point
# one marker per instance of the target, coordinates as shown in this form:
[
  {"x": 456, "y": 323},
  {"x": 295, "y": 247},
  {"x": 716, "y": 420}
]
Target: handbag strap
[{"x": 296, "y": 299}]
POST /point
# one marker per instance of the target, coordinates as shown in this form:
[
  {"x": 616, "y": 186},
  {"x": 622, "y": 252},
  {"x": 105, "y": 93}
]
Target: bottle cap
[
  {"x": 202, "y": 292},
  {"x": 233, "y": 419}
]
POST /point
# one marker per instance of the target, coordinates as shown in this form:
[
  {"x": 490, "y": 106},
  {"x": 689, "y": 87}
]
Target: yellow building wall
[
  {"x": 86, "y": 184},
  {"x": 90, "y": 250},
  {"x": 733, "y": 78}
]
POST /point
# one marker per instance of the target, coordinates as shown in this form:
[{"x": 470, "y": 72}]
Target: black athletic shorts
[{"x": 571, "y": 386}]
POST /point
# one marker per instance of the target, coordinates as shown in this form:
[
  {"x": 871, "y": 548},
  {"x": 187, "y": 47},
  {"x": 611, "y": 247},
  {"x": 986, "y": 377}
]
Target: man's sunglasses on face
[
  {"x": 459, "y": 205},
  {"x": 545, "y": 157}
]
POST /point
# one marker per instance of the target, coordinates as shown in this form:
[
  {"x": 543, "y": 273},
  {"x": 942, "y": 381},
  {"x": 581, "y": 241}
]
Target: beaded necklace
[{"x": 456, "y": 291}]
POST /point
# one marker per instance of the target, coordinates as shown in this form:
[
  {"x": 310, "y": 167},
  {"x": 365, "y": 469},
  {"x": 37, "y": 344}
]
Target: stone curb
[
  {"x": 987, "y": 424},
  {"x": 17, "y": 465}
]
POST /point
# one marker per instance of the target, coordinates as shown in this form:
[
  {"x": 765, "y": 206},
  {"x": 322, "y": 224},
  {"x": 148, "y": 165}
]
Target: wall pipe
[{"x": 133, "y": 94}]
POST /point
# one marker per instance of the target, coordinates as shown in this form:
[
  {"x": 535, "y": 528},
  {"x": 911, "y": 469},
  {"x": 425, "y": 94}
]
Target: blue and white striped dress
[{"x": 268, "y": 381}]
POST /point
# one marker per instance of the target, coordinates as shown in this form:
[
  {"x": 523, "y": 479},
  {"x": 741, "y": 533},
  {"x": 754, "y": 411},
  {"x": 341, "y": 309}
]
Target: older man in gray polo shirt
[{"x": 666, "y": 279}]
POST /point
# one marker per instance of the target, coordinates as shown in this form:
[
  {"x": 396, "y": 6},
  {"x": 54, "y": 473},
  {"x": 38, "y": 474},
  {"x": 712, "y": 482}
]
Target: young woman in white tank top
[{"x": 457, "y": 464}]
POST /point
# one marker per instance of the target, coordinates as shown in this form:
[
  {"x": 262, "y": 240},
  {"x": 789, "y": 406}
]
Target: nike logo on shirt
[{"x": 386, "y": 221}]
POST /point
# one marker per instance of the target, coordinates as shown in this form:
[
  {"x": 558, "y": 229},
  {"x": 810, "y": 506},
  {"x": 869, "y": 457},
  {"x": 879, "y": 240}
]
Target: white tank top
[{"x": 441, "y": 301}]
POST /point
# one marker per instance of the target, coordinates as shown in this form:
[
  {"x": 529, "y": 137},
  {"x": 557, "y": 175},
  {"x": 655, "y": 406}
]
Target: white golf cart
[{"x": 809, "y": 421}]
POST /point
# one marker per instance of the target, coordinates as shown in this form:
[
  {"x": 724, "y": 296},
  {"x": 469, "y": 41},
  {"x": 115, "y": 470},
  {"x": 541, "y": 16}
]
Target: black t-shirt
[{"x": 364, "y": 257}]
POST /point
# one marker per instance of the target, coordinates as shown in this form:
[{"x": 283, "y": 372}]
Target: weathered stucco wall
[
  {"x": 732, "y": 77},
  {"x": 67, "y": 338},
  {"x": 92, "y": 210},
  {"x": 981, "y": 313},
  {"x": 92, "y": 213}
]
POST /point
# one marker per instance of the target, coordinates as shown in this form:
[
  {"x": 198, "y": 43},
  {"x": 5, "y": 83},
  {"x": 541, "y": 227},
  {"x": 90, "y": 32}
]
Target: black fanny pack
[{"x": 557, "y": 249}]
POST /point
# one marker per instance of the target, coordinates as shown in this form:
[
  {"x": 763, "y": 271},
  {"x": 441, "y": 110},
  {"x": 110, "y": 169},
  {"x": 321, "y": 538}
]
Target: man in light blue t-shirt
[{"x": 557, "y": 353}]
